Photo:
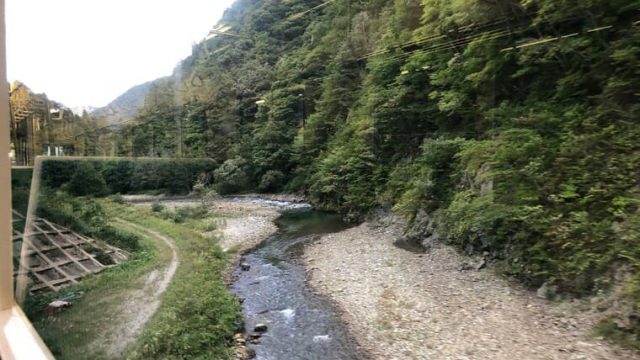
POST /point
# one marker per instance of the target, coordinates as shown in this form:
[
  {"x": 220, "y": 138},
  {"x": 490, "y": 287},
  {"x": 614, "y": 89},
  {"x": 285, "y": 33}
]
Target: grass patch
[
  {"x": 70, "y": 333},
  {"x": 198, "y": 315},
  {"x": 208, "y": 225}
]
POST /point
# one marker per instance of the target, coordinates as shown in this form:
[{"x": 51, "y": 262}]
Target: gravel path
[{"x": 402, "y": 305}]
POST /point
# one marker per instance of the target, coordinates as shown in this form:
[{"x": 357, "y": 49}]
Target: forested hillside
[
  {"x": 125, "y": 107},
  {"x": 507, "y": 127}
]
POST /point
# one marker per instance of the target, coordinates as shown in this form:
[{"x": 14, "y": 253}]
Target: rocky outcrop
[{"x": 419, "y": 235}]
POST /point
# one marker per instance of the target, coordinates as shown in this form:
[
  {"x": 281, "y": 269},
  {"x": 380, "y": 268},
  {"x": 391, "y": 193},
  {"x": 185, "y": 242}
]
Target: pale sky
[{"x": 87, "y": 52}]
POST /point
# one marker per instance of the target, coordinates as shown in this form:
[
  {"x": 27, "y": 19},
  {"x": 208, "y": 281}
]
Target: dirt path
[
  {"x": 141, "y": 303},
  {"x": 403, "y": 305}
]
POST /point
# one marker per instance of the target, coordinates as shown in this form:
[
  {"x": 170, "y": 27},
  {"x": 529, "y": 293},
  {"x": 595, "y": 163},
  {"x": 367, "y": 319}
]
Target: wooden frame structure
[{"x": 56, "y": 256}]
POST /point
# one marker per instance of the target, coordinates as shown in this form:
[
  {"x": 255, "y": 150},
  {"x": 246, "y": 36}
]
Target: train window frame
[{"x": 18, "y": 338}]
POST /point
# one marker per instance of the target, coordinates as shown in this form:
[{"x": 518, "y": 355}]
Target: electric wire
[
  {"x": 302, "y": 14},
  {"x": 452, "y": 44}
]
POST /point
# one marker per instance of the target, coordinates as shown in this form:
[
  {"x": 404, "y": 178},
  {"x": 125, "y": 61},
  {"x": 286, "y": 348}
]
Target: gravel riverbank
[
  {"x": 244, "y": 224},
  {"x": 244, "y": 221},
  {"x": 402, "y": 305}
]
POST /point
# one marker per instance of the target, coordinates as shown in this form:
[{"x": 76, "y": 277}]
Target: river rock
[
  {"x": 260, "y": 328},
  {"x": 243, "y": 353},
  {"x": 245, "y": 267},
  {"x": 239, "y": 339},
  {"x": 480, "y": 264},
  {"x": 547, "y": 291},
  {"x": 56, "y": 306}
]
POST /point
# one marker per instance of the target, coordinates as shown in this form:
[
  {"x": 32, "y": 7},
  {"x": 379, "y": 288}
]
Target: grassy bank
[
  {"x": 72, "y": 333},
  {"x": 196, "y": 318}
]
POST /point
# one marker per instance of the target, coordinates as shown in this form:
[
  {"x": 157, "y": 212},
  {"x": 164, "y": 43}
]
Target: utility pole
[
  {"x": 153, "y": 141},
  {"x": 179, "y": 136},
  {"x": 303, "y": 109}
]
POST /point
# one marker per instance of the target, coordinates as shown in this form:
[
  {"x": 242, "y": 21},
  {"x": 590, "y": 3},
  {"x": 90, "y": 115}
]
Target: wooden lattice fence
[{"x": 54, "y": 256}]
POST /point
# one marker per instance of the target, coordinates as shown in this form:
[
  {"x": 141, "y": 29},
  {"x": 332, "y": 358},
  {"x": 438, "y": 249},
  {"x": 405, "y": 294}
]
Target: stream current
[{"x": 301, "y": 323}]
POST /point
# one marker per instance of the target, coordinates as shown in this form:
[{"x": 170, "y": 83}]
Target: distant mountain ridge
[{"x": 125, "y": 106}]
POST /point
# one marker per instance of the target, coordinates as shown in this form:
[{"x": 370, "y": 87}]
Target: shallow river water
[{"x": 301, "y": 324}]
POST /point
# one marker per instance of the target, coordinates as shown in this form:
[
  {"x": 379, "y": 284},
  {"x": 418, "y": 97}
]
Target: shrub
[
  {"x": 231, "y": 176},
  {"x": 55, "y": 173},
  {"x": 209, "y": 225},
  {"x": 182, "y": 214},
  {"x": 118, "y": 175},
  {"x": 117, "y": 198},
  {"x": 120, "y": 238},
  {"x": 201, "y": 188},
  {"x": 272, "y": 180},
  {"x": 85, "y": 216},
  {"x": 125, "y": 176},
  {"x": 87, "y": 181},
  {"x": 179, "y": 216},
  {"x": 156, "y": 206}
]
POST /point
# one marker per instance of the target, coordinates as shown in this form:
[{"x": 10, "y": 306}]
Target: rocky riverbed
[
  {"x": 398, "y": 304},
  {"x": 284, "y": 318},
  {"x": 404, "y": 305}
]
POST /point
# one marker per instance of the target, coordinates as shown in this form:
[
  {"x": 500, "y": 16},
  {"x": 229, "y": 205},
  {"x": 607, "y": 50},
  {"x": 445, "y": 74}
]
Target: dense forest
[{"x": 506, "y": 127}]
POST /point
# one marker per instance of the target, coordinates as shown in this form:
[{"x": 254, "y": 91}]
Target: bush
[
  {"x": 202, "y": 189},
  {"x": 87, "y": 181},
  {"x": 55, "y": 173},
  {"x": 196, "y": 212},
  {"x": 120, "y": 238},
  {"x": 179, "y": 216},
  {"x": 182, "y": 214},
  {"x": 156, "y": 206},
  {"x": 118, "y": 175},
  {"x": 117, "y": 198},
  {"x": 85, "y": 216},
  {"x": 272, "y": 180},
  {"x": 125, "y": 176},
  {"x": 209, "y": 225},
  {"x": 231, "y": 177}
]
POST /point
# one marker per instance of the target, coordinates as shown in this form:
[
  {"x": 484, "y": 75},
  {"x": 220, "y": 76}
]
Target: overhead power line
[
  {"x": 452, "y": 44},
  {"x": 433, "y": 37},
  {"x": 302, "y": 14},
  {"x": 556, "y": 38}
]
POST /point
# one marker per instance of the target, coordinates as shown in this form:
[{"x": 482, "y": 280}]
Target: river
[{"x": 301, "y": 323}]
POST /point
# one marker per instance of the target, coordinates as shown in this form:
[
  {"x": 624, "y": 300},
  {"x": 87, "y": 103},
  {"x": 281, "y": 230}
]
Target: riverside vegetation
[
  {"x": 196, "y": 293},
  {"x": 508, "y": 128}
]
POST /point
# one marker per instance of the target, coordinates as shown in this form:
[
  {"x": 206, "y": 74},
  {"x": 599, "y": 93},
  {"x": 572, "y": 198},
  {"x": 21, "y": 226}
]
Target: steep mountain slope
[
  {"x": 125, "y": 106},
  {"x": 507, "y": 128}
]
